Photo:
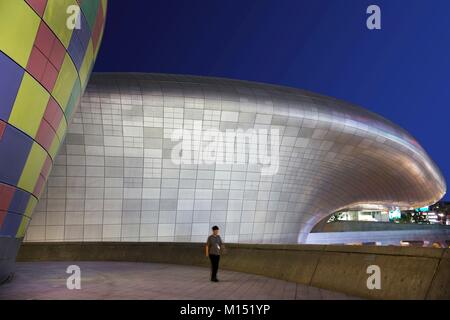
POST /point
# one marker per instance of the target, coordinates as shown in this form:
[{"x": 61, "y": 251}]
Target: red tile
[
  {"x": 6, "y": 195},
  {"x": 46, "y": 167},
  {"x": 45, "y": 171},
  {"x": 57, "y": 54},
  {"x": 38, "y": 5},
  {"x": 45, "y": 135},
  {"x": 36, "y": 64},
  {"x": 39, "y": 185},
  {"x": 2, "y": 128},
  {"x": 44, "y": 39},
  {"x": 2, "y": 217},
  {"x": 97, "y": 27},
  {"x": 49, "y": 78},
  {"x": 53, "y": 114}
]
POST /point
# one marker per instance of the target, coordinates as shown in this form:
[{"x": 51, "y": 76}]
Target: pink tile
[
  {"x": 53, "y": 114},
  {"x": 36, "y": 64},
  {"x": 2, "y": 128},
  {"x": 44, "y": 39},
  {"x": 38, "y": 6},
  {"x": 6, "y": 195},
  {"x": 57, "y": 54},
  {"x": 49, "y": 77},
  {"x": 45, "y": 135}
]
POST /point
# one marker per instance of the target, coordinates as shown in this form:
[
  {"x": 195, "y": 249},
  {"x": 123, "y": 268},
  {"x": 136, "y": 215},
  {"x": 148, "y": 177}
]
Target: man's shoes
[{"x": 215, "y": 280}]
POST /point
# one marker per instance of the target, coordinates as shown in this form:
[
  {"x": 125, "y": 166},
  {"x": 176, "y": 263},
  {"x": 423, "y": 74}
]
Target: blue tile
[
  {"x": 10, "y": 79},
  {"x": 14, "y": 149},
  {"x": 19, "y": 201},
  {"x": 11, "y": 224}
]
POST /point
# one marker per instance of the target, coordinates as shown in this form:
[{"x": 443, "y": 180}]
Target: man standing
[{"x": 214, "y": 246}]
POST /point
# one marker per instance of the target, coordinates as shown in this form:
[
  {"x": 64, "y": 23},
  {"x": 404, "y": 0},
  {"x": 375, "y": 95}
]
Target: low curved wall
[{"x": 406, "y": 272}]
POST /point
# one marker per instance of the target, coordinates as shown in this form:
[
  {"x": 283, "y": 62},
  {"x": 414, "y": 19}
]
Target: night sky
[{"x": 401, "y": 72}]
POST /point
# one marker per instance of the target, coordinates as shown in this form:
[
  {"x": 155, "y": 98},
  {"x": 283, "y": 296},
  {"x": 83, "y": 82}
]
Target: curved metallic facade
[
  {"x": 44, "y": 68},
  {"x": 115, "y": 179}
]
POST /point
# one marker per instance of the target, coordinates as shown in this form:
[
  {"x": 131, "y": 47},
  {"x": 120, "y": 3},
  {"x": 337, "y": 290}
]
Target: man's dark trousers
[{"x": 214, "y": 265}]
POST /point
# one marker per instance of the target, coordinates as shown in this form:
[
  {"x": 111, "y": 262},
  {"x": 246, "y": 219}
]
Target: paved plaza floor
[{"x": 136, "y": 280}]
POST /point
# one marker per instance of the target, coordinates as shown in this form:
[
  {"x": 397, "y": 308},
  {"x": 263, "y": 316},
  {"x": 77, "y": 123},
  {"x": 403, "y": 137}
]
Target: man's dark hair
[{"x": 215, "y": 228}]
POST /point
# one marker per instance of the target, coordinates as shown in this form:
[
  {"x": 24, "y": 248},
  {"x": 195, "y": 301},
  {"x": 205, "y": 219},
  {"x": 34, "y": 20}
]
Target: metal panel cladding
[{"x": 152, "y": 157}]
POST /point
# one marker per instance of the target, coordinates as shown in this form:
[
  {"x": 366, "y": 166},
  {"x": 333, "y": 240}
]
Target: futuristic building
[
  {"x": 44, "y": 68},
  {"x": 152, "y": 157}
]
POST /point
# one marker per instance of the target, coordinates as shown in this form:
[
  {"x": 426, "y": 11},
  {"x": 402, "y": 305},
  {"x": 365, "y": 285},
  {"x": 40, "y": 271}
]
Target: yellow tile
[
  {"x": 33, "y": 168},
  {"x": 56, "y": 17},
  {"x": 30, "y": 206},
  {"x": 86, "y": 65},
  {"x": 56, "y": 143},
  {"x": 29, "y": 106},
  {"x": 64, "y": 82},
  {"x": 54, "y": 147},
  {"x": 62, "y": 129},
  {"x": 23, "y": 227},
  {"x": 18, "y": 28},
  {"x": 104, "y": 6}
]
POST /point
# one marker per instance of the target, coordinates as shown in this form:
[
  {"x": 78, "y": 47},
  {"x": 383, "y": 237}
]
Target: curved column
[{"x": 44, "y": 68}]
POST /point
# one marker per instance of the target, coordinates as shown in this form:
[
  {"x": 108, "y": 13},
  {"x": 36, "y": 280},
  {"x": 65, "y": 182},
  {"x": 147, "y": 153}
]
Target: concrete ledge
[
  {"x": 387, "y": 237},
  {"x": 440, "y": 286},
  {"x": 348, "y": 226},
  {"x": 406, "y": 272}
]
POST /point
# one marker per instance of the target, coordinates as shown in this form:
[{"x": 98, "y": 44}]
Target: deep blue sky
[{"x": 401, "y": 72}]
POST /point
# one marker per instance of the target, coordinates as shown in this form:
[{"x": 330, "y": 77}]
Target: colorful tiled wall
[{"x": 44, "y": 69}]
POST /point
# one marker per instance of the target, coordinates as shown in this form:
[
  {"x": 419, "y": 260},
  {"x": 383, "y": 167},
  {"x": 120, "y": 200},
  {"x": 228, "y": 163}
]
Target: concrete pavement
[{"x": 137, "y": 280}]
